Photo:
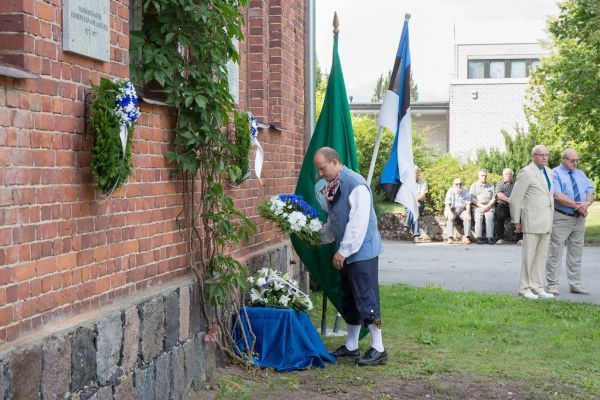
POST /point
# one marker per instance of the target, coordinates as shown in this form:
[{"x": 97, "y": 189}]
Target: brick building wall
[
  {"x": 434, "y": 128},
  {"x": 63, "y": 249}
]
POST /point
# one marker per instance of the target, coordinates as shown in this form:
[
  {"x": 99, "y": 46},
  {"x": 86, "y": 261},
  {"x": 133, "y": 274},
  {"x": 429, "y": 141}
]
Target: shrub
[
  {"x": 440, "y": 174},
  {"x": 517, "y": 154}
]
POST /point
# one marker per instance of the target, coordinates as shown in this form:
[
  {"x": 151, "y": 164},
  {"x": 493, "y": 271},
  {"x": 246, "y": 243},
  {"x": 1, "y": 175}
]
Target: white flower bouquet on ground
[
  {"x": 294, "y": 216},
  {"x": 270, "y": 288}
]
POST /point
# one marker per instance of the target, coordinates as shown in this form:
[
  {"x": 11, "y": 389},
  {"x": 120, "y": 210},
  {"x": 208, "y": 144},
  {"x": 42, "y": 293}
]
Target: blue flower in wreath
[{"x": 253, "y": 127}]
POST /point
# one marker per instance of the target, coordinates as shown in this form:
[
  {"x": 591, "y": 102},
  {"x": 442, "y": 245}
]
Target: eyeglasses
[
  {"x": 544, "y": 155},
  {"x": 573, "y": 160},
  {"x": 458, "y": 184}
]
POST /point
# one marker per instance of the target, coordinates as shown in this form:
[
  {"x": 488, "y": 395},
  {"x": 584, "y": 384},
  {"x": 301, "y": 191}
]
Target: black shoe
[
  {"x": 480, "y": 240},
  {"x": 491, "y": 241},
  {"x": 343, "y": 351},
  {"x": 373, "y": 357}
]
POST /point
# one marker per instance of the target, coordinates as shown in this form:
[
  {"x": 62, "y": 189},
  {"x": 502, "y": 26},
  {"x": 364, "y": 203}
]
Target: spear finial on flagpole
[
  {"x": 336, "y": 24},
  {"x": 407, "y": 16}
]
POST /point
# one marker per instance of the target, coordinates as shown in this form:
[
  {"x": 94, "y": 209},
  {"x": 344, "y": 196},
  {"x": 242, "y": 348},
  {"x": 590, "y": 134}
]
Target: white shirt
[{"x": 358, "y": 221}]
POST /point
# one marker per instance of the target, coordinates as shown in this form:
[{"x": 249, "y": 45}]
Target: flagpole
[
  {"x": 378, "y": 140},
  {"x": 336, "y": 30}
]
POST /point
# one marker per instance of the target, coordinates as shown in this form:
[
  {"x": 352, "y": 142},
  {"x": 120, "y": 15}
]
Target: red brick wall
[{"x": 63, "y": 250}]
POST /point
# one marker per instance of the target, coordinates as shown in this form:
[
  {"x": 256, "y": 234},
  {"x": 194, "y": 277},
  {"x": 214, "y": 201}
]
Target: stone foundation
[
  {"x": 433, "y": 228},
  {"x": 146, "y": 347}
]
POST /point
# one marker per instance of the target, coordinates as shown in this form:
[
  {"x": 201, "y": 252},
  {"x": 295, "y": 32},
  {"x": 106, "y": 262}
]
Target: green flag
[{"x": 334, "y": 129}]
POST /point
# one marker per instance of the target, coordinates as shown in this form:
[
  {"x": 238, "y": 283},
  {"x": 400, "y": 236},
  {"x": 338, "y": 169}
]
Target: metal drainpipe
[{"x": 309, "y": 71}]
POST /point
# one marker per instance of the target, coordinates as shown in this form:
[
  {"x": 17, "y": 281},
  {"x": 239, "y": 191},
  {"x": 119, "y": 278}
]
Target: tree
[
  {"x": 516, "y": 155},
  {"x": 565, "y": 88},
  {"x": 382, "y": 84}
]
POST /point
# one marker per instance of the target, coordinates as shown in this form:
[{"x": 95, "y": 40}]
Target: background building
[
  {"x": 487, "y": 96},
  {"x": 488, "y": 93}
]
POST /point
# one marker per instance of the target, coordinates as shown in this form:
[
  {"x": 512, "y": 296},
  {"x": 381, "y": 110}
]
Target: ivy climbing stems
[{"x": 184, "y": 45}]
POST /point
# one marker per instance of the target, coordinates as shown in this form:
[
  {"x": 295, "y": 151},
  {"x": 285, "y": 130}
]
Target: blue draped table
[{"x": 286, "y": 340}]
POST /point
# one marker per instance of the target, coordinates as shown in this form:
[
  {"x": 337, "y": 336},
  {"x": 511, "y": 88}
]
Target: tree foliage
[
  {"x": 516, "y": 155},
  {"x": 382, "y": 84},
  {"x": 565, "y": 89}
]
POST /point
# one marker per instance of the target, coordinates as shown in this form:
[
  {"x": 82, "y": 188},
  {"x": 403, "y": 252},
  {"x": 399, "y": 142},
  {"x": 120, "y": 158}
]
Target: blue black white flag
[{"x": 398, "y": 176}]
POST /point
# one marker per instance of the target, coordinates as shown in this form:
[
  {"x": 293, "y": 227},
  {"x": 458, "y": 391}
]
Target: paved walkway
[{"x": 480, "y": 268}]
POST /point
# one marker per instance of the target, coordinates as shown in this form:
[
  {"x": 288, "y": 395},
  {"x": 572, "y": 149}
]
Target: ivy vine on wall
[{"x": 184, "y": 46}]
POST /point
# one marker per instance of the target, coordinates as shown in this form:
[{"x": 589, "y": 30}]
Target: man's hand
[
  {"x": 338, "y": 261},
  {"x": 518, "y": 228},
  {"x": 486, "y": 208}
]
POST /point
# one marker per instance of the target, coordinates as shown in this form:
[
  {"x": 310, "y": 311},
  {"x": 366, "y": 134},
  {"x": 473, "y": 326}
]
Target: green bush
[{"x": 440, "y": 174}]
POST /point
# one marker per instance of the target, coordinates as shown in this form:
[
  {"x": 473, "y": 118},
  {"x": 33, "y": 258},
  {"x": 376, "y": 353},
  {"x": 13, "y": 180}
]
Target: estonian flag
[{"x": 398, "y": 176}]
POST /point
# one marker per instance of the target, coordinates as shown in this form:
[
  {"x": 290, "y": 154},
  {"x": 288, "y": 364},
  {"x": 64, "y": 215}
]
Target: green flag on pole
[{"x": 334, "y": 129}]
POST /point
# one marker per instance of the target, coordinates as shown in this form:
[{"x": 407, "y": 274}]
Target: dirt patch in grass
[{"x": 353, "y": 383}]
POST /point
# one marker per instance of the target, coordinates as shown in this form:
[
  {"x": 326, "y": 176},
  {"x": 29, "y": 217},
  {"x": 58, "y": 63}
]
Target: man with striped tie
[{"x": 573, "y": 194}]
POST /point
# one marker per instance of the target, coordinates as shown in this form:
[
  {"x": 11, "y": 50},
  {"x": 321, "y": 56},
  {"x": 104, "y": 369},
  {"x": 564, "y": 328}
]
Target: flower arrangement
[
  {"x": 294, "y": 216},
  {"x": 127, "y": 100},
  {"x": 269, "y": 288},
  {"x": 114, "y": 113}
]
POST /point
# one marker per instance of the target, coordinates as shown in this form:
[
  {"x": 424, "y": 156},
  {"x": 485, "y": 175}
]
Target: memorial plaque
[
  {"x": 86, "y": 28},
  {"x": 233, "y": 76}
]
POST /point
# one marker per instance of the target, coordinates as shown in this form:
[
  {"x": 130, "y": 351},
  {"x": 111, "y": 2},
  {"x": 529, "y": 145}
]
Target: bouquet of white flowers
[
  {"x": 269, "y": 288},
  {"x": 294, "y": 215}
]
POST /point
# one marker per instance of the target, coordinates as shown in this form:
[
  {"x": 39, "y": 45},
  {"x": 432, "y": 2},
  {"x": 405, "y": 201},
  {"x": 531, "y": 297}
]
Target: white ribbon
[
  {"x": 123, "y": 135},
  {"x": 259, "y": 157}
]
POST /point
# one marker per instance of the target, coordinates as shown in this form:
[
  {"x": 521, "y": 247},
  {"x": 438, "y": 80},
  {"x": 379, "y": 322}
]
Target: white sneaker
[
  {"x": 528, "y": 294},
  {"x": 544, "y": 295}
]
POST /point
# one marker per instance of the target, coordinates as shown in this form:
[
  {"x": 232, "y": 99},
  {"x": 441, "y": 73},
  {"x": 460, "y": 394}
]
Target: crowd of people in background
[{"x": 547, "y": 206}]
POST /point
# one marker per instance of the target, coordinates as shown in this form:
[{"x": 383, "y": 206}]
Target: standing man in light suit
[
  {"x": 532, "y": 209},
  {"x": 353, "y": 223}
]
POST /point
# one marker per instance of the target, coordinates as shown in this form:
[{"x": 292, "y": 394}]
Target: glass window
[
  {"x": 533, "y": 64},
  {"x": 476, "y": 70},
  {"x": 497, "y": 69},
  {"x": 518, "y": 69}
]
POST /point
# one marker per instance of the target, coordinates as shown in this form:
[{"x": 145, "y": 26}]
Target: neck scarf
[{"x": 331, "y": 189}]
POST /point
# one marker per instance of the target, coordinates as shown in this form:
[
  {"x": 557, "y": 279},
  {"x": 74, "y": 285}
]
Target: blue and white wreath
[{"x": 126, "y": 110}]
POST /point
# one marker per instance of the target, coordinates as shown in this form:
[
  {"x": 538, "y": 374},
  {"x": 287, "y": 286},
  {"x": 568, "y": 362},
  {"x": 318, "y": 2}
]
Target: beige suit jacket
[{"x": 531, "y": 203}]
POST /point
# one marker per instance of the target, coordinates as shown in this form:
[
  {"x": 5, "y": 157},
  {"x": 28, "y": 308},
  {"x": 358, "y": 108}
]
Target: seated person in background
[
  {"x": 422, "y": 189},
  {"x": 457, "y": 205},
  {"x": 503, "y": 190},
  {"x": 482, "y": 197}
]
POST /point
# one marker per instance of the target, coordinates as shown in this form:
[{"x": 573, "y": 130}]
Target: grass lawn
[
  {"x": 538, "y": 349},
  {"x": 592, "y": 223}
]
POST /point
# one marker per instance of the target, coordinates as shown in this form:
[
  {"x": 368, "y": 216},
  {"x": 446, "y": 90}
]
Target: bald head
[
  {"x": 328, "y": 154},
  {"x": 570, "y": 159}
]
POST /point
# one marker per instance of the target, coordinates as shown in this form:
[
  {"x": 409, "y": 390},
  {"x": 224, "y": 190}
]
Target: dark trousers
[
  {"x": 360, "y": 292},
  {"x": 502, "y": 214}
]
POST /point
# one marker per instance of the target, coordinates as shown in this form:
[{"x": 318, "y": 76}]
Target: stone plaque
[
  {"x": 233, "y": 76},
  {"x": 86, "y": 28}
]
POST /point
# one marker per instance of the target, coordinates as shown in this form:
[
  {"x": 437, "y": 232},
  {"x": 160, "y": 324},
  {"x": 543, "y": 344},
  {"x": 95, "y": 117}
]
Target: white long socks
[
  {"x": 352, "y": 339},
  {"x": 376, "y": 339}
]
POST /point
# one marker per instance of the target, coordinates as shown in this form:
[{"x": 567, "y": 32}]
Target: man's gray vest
[{"x": 339, "y": 212}]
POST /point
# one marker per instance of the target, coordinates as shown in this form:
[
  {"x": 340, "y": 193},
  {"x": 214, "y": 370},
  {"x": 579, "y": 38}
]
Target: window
[
  {"x": 497, "y": 69},
  {"x": 501, "y": 69},
  {"x": 151, "y": 90},
  {"x": 476, "y": 69},
  {"x": 518, "y": 69}
]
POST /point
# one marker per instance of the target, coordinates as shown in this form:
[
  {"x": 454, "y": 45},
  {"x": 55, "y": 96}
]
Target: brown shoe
[
  {"x": 450, "y": 240},
  {"x": 553, "y": 290},
  {"x": 466, "y": 240},
  {"x": 579, "y": 290}
]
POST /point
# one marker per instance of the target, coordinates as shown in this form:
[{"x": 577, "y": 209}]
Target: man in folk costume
[{"x": 353, "y": 225}]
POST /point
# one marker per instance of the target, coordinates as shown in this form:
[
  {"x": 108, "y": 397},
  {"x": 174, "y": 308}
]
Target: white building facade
[{"x": 488, "y": 94}]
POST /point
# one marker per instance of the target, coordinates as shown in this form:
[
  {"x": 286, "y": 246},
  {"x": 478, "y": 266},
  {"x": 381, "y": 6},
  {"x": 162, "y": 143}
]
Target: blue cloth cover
[{"x": 286, "y": 340}]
